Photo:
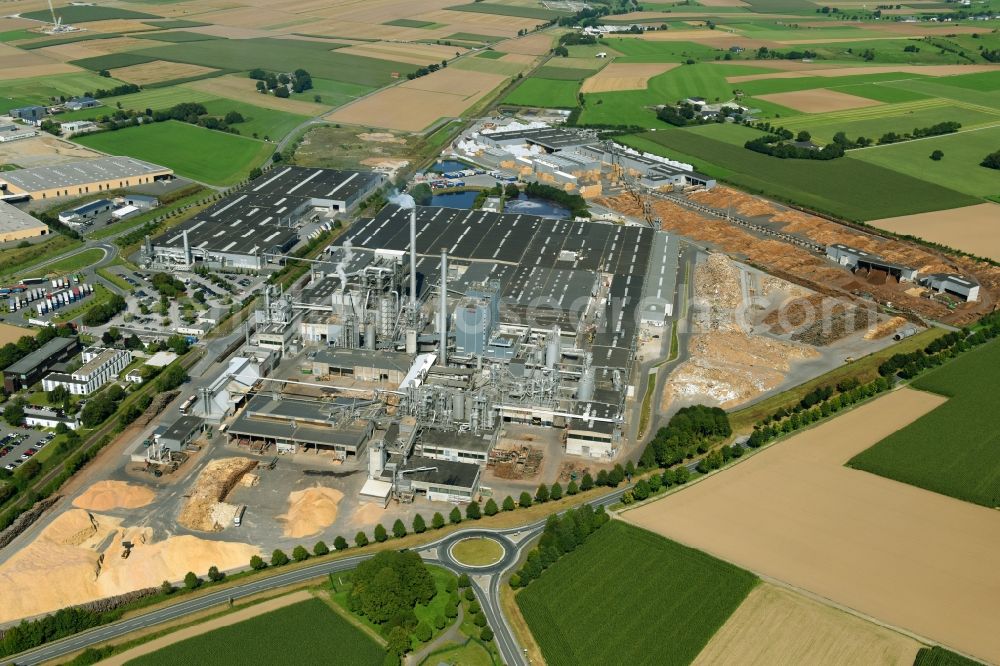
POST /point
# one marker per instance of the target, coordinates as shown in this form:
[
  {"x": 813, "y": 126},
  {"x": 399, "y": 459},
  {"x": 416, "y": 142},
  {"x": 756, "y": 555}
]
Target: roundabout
[{"x": 477, "y": 551}]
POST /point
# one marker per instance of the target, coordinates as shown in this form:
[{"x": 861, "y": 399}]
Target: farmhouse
[
  {"x": 254, "y": 226},
  {"x": 29, "y": 369},
  {"x": 16, "y": 225},
  {"x": 80, "y": 177},
  {"x": 964, "y": 287}
]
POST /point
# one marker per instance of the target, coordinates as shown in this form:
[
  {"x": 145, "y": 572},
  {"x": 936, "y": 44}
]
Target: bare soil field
[
  {"x": 241, "y": 89},
  {"x": 247, "y": 17},
  {"x": 819, "y": 100},
  {"x": 18, "y": 64},
  {"x": 974, "y": 229},
  {"x": 713, "y": 38},
  {"x": 205, "y": 627},
  {"x": 310, "y": 511},
  {"x": 230, "y": 32},
  {"x": 83, "y": 552},
  {"x": 534, "y": 45},
  {"x": 777, "y": 626},
  {"x": 414, "y": 54},
  {"x": 414, "y": 105},
  {"x": 159, "y": 70},
  {"x": 42, "y": 150},
  {"x": 107, "y": 495},
  {"x": 11, "y": 333},
  {"x": 625, "y": 76},
  {"x": 119, "y": 25},
  {"x": 908, "y": 557}
]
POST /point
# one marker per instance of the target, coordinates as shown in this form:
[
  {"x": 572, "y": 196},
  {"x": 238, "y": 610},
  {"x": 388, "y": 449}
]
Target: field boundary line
[{"x": 977, "y": 128}]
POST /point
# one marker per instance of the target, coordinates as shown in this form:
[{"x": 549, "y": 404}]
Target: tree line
[
  {"x": 947, "y": 127},
  {"x": 941, "y": 349},
  {"x": 693, "y": 429},
  {"x": 562, "y": 534},
  {"x": 576, "y": 204},
  {"x": 102, "y": 313}
]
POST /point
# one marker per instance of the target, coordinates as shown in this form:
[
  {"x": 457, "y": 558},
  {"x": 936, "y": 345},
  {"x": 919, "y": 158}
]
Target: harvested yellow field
[
  {"x": 376, "y": 11},
  {"x": 974, "y": 229},
  {"x": 819, "y": 100},
  {"x": 119, "y": 25},
  {"x": 774, "y": 625},
  {"x": 11, "y": 333},
  {"x": 14, "y": 61},
  {"x": 723, "y": 3},
  {"x": 535, "y": 45},
  {"x": 247, "y": 17},
  {"x": 158, "y": 70},
  {"x": 241, "y": 89},
  {"x": 625, "y": 76},
  {"x": 230, "y": 32},
  {"x": 888, "y": 550},
  {"x": 414, "y": 54},
  {"x": 414, "y": 105}
]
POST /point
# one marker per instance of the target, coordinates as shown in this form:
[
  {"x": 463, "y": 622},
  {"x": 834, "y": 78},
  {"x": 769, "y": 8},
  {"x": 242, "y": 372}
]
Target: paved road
[{"x": 486, "y": 581}]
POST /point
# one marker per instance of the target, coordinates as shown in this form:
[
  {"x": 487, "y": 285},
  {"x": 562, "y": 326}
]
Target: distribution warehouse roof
[
  {"x": 552, "y": 138},
  {"x": 80, "y": 172},
  {"x": 15, "y": 219},
  {"x": 39, "y": 356},
  {"x": 260, "y": 216}
]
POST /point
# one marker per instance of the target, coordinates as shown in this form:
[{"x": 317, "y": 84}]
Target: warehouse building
[
  {"x": 867, "y": 263},
  {"x": 12, "y": 132},
  {"x": 961, "y": 286},
  {"x": 87, "y": 211},
  {"x": 440, "y": 480},
  {"x": 16, "y": 225},
  {"x": 30, "y": 114},
  {"x": 30, "y": 369},
  {"x": 181, "y": 433},
  {"x": 386, "y": 366},
  {"x": 455, "y": 446},
  {"x": 100, "y": 366},
  {"x": 253, "y": 227},
  {"x": 661, "y": 281},
  {"x": 82, "y": 177}
]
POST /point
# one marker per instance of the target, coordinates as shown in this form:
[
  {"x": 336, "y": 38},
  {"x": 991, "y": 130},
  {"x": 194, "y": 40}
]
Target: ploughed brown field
[
  {"x": 908, "y": 557},
  {"x": 974, "y": 229},
  {"x": 819, "y": 100}
]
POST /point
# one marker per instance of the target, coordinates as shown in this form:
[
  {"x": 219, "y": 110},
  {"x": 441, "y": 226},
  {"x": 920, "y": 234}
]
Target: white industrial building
[
  {"x": 859, "y": 260},
  {"x": 100, "y": 366},
  {"x": 961, "y": 286},
  {"x": 43, "y": 417}
]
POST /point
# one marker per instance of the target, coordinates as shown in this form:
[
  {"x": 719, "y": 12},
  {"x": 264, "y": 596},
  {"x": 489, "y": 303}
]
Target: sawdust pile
[
  {"x": 887, "y": 327},
  {"x": 213, "y": 485},
  {"x": 741, "y": 202},
  {"x": 106, "y": 495},
  {"x": 78, "y": 558},
  {"x": 728, "y": 364},
  {"x": 311, "y": 511}
]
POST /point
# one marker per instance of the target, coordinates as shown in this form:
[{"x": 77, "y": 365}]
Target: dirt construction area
[
  {"x": 907, "y": 557},
  {"x": 777, "y": 626},
  {"x": 819, "y": 100},
  {"x": 973, "y": 229}
]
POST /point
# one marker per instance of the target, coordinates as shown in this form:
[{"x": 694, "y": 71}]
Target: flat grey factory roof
[
  {"x": 13, "y": 218},
  {"x": 445, "y": 472},
  {"x": 80, "y": 172},
  {"x": 239, "y": 237},
  {"x": 658, "y": 288},
  {"x": 37, "y": 357},
  {"x": 455, "y": 440},
  {"x": 182, "y": 427},
  {"x": 386, "y": 360},
  {"x": 349, "y": 434},
  {"x": 547, "y": 137}
]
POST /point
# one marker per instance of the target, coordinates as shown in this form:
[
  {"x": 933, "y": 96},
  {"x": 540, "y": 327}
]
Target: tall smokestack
[
  {"x": 187, "y": 249},
  {"x": 443, "y": 314},
  {"x": 413, "y": 262}
]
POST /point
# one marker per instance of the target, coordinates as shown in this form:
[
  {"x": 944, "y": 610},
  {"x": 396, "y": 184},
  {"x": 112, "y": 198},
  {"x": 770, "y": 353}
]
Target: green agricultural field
[
  {"x": 639, "y": 51},
  {"x": 955, "y": 449},
  {"x": 959, "y": 169},
  {"x": 169, "y": 24},
  {"x": 635, "y": 107},
  {"x": 770, "y": 86},
  {"x": 493, "y": 66},
  {"x": 937, "y": 87},
  {"x": 476, "y": 37},
  {"x": 260, "y": 121},
  {"x": 490, "y": 55},
  {"x": 86, "y": 13},
  {"x": 177, "y": 36},
  {"x": 562, "y": 73},
  {"x": 843, "y": 187},
  {"x": 204, "y": 155},
  {"x": 111, "y": 61},
  {"x": 410, "y": 23},
  {"x": 546, "y": 93},
  {"x": 508, "y": 10},
  {"x": 981, "y": 81},
  {"x": 17, "y": 35},
  {"x": 158, "y": 98},
  {"x": 938, "y": 656},
  {"x": 40, "y": 90},
  {"x": 282, "y": 55},
  {"x": 306, "y": 632},
  {"x": 333, "y": 93},
  {"x": 628, "y": 596},
  {"x": 874, "y": 121}
]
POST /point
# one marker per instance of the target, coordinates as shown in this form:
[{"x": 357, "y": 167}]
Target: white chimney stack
[
  {"x": 413, "y": 262},
  {"x": 443, "y": 314}
]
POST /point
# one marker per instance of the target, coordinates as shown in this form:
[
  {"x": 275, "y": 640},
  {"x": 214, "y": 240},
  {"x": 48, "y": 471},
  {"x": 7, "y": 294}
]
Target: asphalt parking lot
[{"x": 18, "y": 441}]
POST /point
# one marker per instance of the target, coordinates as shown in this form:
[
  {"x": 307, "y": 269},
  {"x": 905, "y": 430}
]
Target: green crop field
[
  {"x": 177, "y": 36},
  {"x": 86, "y": 13},
  {"x": 638, "y": 50},
  {"x": 476, "y": 37},
  {"x": 492, "y": 66},
  {"x": 111, "y": 61},
  {"x": 508, "y": 10},
  {"x": 410, "y": 23},
  {"x": 306, "y": 632},
  {"x": 848, "y": 188},
  {"x": 40, "y": 90},
  {"x": 959, "y": 169},
  {"x": 587, "y": 608},
  {"x": 490, "y": 55},
  {"x": 770, "y": 86},
  {"x": 168, "y": 24},
  {"x": 938, "y": 656},
  {"x": 562, "y": 73},
  {"x": 333, "y": 93},
  {"x": 70, "y": 264},
  {"x": 17, "y": 35},
  {"x": 955, "y": 449},
  {"x": 547, "y": 93},
  {"x": 282, "y": 55},
  {"x": 204, "y": 155},
  {"x": 260, "y": 121}
]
